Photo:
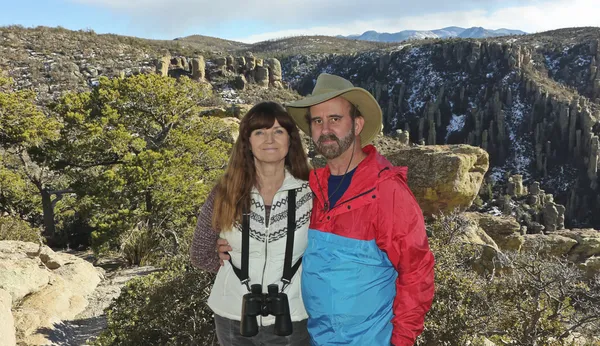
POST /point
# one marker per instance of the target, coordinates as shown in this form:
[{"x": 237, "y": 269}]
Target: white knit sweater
[{"x": 267, "y": 252}]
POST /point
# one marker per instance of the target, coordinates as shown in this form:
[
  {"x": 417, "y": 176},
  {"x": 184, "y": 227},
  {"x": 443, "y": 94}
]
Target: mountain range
[{"x": 451, "y": 31}]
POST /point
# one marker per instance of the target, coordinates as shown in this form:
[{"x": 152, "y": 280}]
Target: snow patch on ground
[
  {"x": 552, "y": 64},
  {"x": 495, "y": 211},
  {"x": 583, "y": 61},
  {"x": 457, "y": 123},
  {"x": 229, "y": 95},
  {"x": 497, "y": 174}
]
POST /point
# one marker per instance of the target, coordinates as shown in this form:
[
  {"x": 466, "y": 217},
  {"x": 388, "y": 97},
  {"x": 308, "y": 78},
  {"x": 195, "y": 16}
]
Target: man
[{"x": 367, "y": 276}]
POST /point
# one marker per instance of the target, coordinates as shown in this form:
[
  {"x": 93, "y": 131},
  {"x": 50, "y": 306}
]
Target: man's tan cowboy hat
[{"x": 329, "y": 86}]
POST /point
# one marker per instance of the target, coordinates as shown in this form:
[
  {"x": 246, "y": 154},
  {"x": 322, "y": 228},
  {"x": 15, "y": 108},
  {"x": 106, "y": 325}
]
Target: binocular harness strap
[
  {"x": 242, "y": 274},
  {"x": 288, "y": 269}
]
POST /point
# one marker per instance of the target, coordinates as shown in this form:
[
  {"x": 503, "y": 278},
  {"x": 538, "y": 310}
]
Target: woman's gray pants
[{"x": 228, "y": 333}]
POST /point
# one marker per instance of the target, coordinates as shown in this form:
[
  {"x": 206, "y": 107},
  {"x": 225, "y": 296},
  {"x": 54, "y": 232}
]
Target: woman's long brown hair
[{"x": 234, "y": 187}]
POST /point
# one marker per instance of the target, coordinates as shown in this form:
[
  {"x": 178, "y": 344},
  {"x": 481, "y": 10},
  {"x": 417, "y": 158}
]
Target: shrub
[
  {"x": 138, "y": 244},
  {"x": 13, "y": 228},
  {"x": 533, "y": 300},
  {"x": 166, "y": 308},
  {"x": 461, "y": 302}
]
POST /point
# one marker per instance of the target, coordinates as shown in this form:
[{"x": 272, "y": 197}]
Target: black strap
[
  {"x": 243, "y": 273},
  {"x": 288, "y": 270}
]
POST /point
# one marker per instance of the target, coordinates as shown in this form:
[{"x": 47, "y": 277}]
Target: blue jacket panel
[{"x": 348, "y": 288}]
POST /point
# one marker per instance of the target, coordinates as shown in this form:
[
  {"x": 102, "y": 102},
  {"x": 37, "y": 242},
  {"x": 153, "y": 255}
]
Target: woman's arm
[{"x": 203, "y": 250}]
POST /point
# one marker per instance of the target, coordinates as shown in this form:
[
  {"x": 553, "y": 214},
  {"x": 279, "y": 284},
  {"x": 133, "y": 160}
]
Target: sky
[{"x": 258, "y": 20}]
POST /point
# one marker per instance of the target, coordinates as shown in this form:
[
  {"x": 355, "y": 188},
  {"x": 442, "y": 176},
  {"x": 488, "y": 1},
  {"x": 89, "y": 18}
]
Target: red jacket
[{"x": 375, "y": 229}]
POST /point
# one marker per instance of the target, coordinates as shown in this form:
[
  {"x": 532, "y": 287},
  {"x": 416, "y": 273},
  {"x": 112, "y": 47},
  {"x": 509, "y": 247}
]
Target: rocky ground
[{"x": 89, "y": 324}]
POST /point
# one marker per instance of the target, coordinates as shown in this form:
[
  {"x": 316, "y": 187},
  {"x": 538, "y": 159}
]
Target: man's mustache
[{"x": 329, "y": 137}]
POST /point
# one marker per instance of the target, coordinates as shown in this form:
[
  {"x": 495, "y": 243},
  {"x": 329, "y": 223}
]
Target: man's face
[{"x": 332, "y": 128}]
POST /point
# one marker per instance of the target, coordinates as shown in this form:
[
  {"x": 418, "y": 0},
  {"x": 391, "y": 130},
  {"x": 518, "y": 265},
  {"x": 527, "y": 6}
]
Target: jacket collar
[
  {"x": 369, "y": 172},
  {"x": 289, "y": 182}
]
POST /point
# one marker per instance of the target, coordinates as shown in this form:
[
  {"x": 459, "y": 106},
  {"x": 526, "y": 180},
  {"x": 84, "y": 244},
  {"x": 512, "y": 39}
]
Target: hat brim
[{"x": 359, "y": 97}]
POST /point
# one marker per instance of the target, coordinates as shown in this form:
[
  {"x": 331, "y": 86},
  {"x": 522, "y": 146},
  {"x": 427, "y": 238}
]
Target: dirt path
[{"x": 88, "y": 324}]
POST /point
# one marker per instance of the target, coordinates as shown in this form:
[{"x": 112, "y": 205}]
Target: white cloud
[
  {"x": 337, "y": 17},
  {"x": 289, "y": 12},
  {"x": 558, "y": 14}
]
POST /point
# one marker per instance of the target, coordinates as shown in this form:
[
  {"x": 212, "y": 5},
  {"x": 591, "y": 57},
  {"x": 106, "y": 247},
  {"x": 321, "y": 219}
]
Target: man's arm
[{"x": 402, "y": 236}]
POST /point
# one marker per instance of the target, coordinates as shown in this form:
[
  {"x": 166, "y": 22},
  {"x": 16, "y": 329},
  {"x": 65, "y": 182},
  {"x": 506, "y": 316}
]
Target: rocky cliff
[{"x": 532, "y": 102}]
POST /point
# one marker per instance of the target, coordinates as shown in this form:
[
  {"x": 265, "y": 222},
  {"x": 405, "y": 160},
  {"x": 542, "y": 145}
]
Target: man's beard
[{"x": 331, "y": 151}]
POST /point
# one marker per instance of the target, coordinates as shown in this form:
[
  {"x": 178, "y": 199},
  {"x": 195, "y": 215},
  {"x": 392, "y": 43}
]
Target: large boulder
[
  {"x": 473, "y": 234},
  {"x": 7, "y": 323},
  {"x": 550, "y": 244},
  {"x": 588, "y": 243},
  {"x": 44, "y": 287},
  {"x": 505, "y": 231},
  {"x": 591, "y": 265},
  {"x": 45, "y": 308},
  {"x": 250, "y": 62},
  {"x": 443, "y": 177},
  {"x": 21, "y": 271},
  {"x": 580, "y": 246}
]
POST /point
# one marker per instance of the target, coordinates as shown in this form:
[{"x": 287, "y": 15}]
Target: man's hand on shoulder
[{"x": 222, "y": 249}]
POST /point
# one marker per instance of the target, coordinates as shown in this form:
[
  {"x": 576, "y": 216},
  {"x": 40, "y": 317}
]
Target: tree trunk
[
  {"x": 48, "y": 208},
  {"x": 149, "y": 204}
]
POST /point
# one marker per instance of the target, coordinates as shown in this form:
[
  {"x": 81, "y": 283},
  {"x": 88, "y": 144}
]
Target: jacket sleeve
[
  {"x": 401, "y": 234},
  {"x": 204, "y": 243}
]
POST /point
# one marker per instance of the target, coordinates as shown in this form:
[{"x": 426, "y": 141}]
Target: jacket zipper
[
  {"x": 353, "y": 198},
  {"x": 326, "y": 202}
]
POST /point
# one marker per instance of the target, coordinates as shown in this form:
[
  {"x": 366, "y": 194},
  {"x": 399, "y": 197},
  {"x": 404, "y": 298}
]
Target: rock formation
[
  {"x": 198, "y": 68},
  {"x": 241, "y": 71},
  {"x": 515, "y": 187},
  {"x": 42, "y": 287},
  {"x": 275, "y": 75},
  {"x": 162, "y": 66},
  {"x": 443, "y": 178},
  {"x": 261, "y": 76},
  {"x": 505, "y": 231}
]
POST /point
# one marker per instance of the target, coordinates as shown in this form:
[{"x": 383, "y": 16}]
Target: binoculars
[{"x": 272, "y": 303}]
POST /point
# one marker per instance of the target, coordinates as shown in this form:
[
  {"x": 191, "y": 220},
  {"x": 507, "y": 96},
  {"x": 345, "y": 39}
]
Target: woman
[{"x": 267, "y": 162}]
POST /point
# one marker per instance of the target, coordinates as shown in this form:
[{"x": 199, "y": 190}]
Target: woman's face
[{"x": 270, "y": 145}]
